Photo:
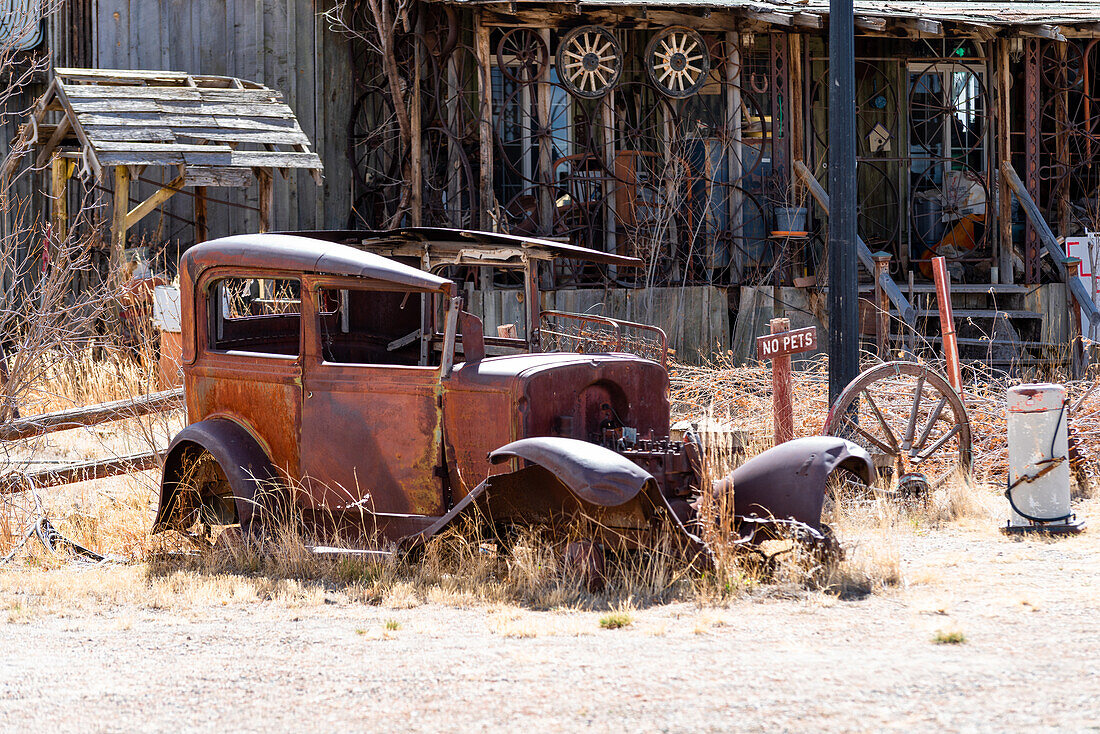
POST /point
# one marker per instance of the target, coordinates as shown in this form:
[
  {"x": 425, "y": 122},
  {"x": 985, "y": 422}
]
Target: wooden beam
[
  {"x": 416, "y": 140},
  {"x": 870, "y": 23},
  {"x": 266, "y": 179},
  {"x": 118, "y": 220},
  {"x": 908, "y": 313},
  {"x": 201, "y": 232},
  {"x": 60, "y": 171},
  {"x": 91, "y": 415},
  {"x": 159, "y": 196},
  {"x": 58, "y": 135},
  {"x": 1003, "y": 80},
  {"x": 485, "y": 129},
  {"x": 1049, "y": 32},
  {"x": 1050, "y": 242},
  {"x": 770, "y": 18},
  {"x": 922, "y": 27},
  {"x": 89, "y": 149},
  {"x": 810, "y": 21}
]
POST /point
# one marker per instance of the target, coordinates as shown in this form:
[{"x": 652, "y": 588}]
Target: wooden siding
[{"x": 283, "y": 44}]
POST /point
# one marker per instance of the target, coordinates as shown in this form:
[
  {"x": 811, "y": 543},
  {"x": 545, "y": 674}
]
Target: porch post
[{"x": 843, "y": 291}]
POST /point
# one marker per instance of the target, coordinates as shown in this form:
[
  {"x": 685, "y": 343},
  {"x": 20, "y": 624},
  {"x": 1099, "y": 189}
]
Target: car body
[{"x": 353, "y": 389}]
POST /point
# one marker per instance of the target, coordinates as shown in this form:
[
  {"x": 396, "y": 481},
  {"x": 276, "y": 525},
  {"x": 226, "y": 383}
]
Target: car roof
[
  {"x": 440, "y": 242},
  {"x": 295, "y": 253}
]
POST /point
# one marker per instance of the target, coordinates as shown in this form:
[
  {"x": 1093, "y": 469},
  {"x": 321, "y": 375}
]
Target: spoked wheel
[{"x": 909, "y": 419}]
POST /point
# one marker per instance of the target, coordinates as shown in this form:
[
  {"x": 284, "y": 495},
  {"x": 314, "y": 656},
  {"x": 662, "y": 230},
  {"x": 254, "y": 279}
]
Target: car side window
[
  {"x": 360, "y": 326},
  {"x": 255, "y": 315}
]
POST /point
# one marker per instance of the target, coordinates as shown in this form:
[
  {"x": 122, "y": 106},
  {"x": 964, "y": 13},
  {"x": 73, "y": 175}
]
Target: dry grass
[{"x": 460, "y": 567}]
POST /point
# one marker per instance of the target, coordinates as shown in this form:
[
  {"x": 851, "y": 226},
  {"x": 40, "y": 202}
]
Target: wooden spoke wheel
[
  {"x": 589, "y": 61},
  {"x": 908, "y": 418},
  {"x": 522, "y": 56},
  {"x": 677, "y": 61}
]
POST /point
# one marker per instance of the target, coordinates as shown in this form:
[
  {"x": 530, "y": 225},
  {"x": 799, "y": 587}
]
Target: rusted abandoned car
[{"x": 316, "y": 363}]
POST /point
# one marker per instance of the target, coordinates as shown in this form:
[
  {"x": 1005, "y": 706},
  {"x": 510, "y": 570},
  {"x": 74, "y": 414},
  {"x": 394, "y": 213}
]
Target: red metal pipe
[{"x": 947, "y": 323}]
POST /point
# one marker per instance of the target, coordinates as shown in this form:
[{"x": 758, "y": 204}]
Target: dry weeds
[{"x": 461, "y": 568}]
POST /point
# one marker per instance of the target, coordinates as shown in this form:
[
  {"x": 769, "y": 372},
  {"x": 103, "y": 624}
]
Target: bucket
[{"x": 791, "y": 218}]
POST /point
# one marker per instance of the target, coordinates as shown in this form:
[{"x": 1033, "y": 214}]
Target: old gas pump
[{"x": 1038, "y": 490}]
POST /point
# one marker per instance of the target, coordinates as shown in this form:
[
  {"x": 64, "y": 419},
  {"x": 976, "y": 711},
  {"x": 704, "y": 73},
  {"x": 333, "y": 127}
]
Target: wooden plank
[
  {"x": 138, "y": 158},
  {"x": 90, "y": 415},
  {"x": 178, "y": 121},
  {"x": 185, "y": 107},
  {"x": 1050, "y": 242},
  {"x": 305, "y": 101},
  {"x": 83, "y": 471},
  {"x": 119, "y": 75},
  {"x": 129, "y": 132},
  {"x": 271, "y": 137},
  {"x": 255, "y": 159},
  {"x": 81, "y": 92},
  {"x": 159, "y": 196},
  {"x": 158, "y": 148},
  {"x": 203, "y": 176}
]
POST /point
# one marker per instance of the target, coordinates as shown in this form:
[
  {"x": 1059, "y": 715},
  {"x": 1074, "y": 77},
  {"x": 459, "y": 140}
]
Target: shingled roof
[{"x": 204, "y": 124}]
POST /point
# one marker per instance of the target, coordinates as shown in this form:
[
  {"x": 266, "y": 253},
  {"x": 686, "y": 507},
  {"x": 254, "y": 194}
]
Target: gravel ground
[{"x": 777, "y": 659}]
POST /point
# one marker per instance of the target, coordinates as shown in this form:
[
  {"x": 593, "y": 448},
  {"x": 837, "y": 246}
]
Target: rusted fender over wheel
[
  {"x": 253, "y": 480},
  {"x": 591, "y": 472},
  {"x": 788, "y": 481}
]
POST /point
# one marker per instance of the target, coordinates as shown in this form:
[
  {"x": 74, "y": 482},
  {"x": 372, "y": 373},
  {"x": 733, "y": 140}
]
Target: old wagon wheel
[
  {"x": 959, "y": 105},
  {"x": 374, "y": 140},
  {"x": 589, "y": 61},
  {"x": 677, "y": 61},
  {"x": 523, "y": 133},
  {"x": 522, "y": 55},
  {"x": 908, "y": 418},
  {"x": 876, "y": 115},
  {"x": 449, "y": 195},
  {"x": 878, "y": 222},
  {"x": 737, "y": 130}
]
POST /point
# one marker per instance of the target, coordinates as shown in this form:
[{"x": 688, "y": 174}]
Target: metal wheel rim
[
  {"x": 677, "y": 61},
  {"x": 589, "y": 61},
  {"x": 836, "y": 424}
]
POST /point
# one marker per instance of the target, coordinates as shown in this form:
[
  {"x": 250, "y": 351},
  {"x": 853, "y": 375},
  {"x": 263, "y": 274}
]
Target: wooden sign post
[{"x": 778, "y": 346}]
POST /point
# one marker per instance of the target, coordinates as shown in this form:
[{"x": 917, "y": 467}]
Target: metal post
[
  {"x": 882, "y": 306},
  {"x": 782, "y": 410},
  {"x": 947, "y": 323},
  {"x": 843, "y": 292}
]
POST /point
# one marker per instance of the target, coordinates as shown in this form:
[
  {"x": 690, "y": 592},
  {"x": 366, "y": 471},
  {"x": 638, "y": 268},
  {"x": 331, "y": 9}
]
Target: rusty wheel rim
[{"x": 908, "y": 418}]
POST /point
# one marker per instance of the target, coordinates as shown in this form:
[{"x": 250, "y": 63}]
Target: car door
[{"x": 371, "y": 416}]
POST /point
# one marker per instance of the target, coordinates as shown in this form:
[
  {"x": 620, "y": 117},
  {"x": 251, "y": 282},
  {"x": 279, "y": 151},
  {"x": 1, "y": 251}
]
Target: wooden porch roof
[
  {"x": 215, "y": 129},
  {"x": 912, "y": 17}
]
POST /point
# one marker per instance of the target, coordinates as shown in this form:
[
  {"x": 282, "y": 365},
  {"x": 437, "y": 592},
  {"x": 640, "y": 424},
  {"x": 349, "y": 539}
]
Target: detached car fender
[
  {"x": 247, "y": 468},
  {"x": 788, "y": 481},
  {"x": 593, "y": 473}
]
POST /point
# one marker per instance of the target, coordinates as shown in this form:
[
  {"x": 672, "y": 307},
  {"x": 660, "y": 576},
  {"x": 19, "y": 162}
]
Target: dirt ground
[{"x": 984, "y": 633}]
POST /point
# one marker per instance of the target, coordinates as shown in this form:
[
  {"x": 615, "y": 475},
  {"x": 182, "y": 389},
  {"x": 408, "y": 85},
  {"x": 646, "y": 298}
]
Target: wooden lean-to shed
[{"x": 114, "y": 125}]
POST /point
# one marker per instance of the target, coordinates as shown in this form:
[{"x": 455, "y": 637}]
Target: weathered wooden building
[{"x": 687, "y": 132}]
